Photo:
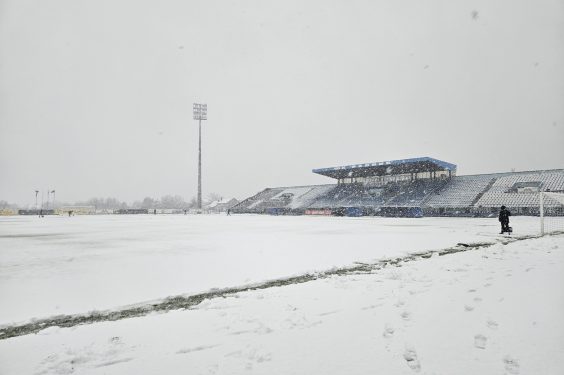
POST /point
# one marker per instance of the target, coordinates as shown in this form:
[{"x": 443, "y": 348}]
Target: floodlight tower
[{"x": 200, "y": 113}]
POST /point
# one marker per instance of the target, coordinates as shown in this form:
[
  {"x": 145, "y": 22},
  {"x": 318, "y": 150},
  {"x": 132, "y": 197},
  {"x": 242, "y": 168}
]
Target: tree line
[{"x": 110, "y": 203}]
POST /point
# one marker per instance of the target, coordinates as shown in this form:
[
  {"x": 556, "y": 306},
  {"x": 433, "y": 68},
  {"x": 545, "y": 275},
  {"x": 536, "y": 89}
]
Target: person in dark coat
[{"x": 504, "y": 220}]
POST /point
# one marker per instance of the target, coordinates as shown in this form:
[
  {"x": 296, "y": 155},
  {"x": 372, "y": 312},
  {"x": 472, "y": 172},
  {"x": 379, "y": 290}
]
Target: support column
[{"x": 200, "y": 165}]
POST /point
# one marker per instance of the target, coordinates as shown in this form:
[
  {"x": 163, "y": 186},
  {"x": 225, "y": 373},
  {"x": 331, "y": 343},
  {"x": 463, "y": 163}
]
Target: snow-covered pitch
[{"x": 489, "y": 310}]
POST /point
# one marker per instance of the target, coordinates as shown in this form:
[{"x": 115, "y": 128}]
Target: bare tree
[
  {"x": 193, "y": 203},
  {"x": 5, "y": 204},
  {"x": 169, "y": 201},
  {"x": 148, "y": 202}
]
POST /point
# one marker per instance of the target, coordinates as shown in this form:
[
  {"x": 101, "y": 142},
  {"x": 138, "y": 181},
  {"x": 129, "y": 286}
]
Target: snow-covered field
[
  {"x": 61, "y": 265},
  {"x": 489, "y": 311}
]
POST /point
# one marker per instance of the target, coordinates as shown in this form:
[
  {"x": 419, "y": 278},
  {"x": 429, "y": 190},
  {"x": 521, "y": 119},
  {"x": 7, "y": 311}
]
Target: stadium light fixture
[{"x": 200, "y": 112}]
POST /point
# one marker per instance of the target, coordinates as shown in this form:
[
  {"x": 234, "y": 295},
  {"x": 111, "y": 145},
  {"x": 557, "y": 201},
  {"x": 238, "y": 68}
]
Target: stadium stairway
[{"x": 487, "y": 188}]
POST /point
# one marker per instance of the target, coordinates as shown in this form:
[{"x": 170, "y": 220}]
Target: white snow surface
[
  {"x": 496, "y": 310},
  {"x": 68, "y": 265}
]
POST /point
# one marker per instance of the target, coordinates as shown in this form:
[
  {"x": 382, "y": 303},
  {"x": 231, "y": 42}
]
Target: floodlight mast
[{"x": 200, "y": 112}]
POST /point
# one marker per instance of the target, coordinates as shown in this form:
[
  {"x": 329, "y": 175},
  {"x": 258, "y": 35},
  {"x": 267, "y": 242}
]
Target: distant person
[
  {"x": 228, "y": 212},
  {"x": 504, "y": 220},
  {"x": 184, "y": 212},
  {"x": 70, "y": 213},
  {"x": 155, "y": 211}
]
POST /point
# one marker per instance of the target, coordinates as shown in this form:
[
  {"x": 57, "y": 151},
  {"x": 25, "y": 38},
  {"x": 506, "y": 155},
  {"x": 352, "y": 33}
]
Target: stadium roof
[{"x": 384, "y": 168}]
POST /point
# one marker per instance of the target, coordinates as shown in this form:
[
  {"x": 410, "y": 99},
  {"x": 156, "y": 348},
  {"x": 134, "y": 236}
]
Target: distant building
[
  {"x": 38, "y": 211},
  {"x": 221, "y": 205},
  {"x": 76, "y": 210},
  {"x": 132, "y": 211},
  {"x": 8, "y": 212}
]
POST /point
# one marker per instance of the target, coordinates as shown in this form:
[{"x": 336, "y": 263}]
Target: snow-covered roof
[
  {"x": 392, "y": 167},
  {"x": 220, "y": 202}
]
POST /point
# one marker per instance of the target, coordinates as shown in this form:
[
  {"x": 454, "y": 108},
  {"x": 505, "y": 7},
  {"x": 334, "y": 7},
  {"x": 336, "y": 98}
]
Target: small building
[
  {"x": 8, "y": 212},
  {"x": 221, "y": 205}
]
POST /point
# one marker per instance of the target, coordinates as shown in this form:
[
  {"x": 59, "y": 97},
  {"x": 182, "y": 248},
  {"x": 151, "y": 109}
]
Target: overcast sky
[{"x": 96, "y": 96}]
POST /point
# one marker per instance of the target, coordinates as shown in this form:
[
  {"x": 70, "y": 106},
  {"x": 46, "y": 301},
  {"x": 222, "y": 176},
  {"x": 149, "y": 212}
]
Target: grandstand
[
  {"x": 520, "y": 190},
  {"x": 410, "y": 187}
]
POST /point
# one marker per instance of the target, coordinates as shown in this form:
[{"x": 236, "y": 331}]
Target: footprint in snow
[
  {"x": 492, "y": 324},
  {"x": 406, "y": 315},
  {"x": 511, "y": 364},
  {"x": 291, "y": 308},
  {"x": 263, "y": 330},
  {"x": 410, "y": 356},
  {"x": 480, "y": 341},
  {"x": 388, "y": 331},
  {"x": 115, "y": 340},
  {"x": 468, "y": 308}
]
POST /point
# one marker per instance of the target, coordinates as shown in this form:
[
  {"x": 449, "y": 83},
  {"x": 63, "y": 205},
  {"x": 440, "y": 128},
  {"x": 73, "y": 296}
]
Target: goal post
[{"x": 551, "y": 212}]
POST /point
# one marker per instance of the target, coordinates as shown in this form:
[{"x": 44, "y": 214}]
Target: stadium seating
[
  {"x": 460, "y": 191},
  {"x": 291, "y": 198},
  {"x": 306, "y": 199},
  {"x": 501, "y": 193},
  {"x": 346, "y": 195},
  {"x": 414, "y": 193},
  {"x": 459, "y": 195},
  {"x": 257, "y": 203}
]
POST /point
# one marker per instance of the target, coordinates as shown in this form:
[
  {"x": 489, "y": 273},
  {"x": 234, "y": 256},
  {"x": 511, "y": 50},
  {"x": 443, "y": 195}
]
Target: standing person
[{"x": 504, "y": 220}]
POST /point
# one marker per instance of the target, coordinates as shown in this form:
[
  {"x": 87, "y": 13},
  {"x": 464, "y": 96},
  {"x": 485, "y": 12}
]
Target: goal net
[{"x": 551, "y": 212}]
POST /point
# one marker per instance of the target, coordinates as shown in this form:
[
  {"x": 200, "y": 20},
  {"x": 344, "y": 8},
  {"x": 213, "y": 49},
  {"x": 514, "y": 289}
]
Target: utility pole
[{"x": 200, "y": 112}]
